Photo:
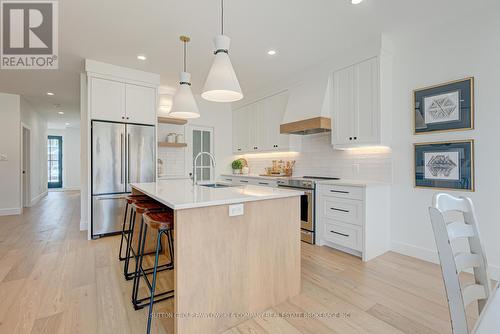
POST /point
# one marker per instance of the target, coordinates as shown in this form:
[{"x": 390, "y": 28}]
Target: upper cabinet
[
  {"x": 122, "y": 102},
  {"x": 140, "y": 104},
  {"x": 121, "y": 94},
  {"x": 256, "y": 127},
  {"x": 360, "y": 111}
]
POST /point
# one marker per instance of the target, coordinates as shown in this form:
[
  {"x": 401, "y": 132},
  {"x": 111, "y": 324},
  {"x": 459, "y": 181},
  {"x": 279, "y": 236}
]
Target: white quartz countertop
[
  {"x": 181, "y": 194},
  {"x": 341, "y": 182}
]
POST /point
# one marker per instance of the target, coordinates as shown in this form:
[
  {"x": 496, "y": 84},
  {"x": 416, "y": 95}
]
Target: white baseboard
[
  {"x": 84, "y": 225},
  {"x": 38, "y": 198},
  {"x": 10, "y": 212},
  {"x": 64, "y": 189},
  {"x": 430, "y": 255}
]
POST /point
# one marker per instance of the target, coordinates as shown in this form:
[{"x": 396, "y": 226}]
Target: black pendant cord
[{"x": 222, "y": 16}]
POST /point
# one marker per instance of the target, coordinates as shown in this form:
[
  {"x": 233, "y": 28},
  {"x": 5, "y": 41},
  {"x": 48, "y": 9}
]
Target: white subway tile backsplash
[{"x": 317, "y": 157}]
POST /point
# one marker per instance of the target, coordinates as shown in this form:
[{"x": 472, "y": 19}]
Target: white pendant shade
[
  {"x": 222, "y": 84},
  {"x": 184, "y": 105}
]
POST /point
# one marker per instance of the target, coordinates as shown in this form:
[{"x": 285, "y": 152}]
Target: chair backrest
[{"x": 452, "y": 264}]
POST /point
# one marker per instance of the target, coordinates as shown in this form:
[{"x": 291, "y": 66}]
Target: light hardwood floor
[{"x": 52, "y": 280}]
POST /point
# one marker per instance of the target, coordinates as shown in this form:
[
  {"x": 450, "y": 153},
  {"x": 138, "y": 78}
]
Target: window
[
  {"x": 203, "y": 142},
  {"x": 54, "y": 152}
]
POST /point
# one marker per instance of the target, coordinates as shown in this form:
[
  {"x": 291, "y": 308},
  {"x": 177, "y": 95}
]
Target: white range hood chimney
[{"x": 308, "y": 108}]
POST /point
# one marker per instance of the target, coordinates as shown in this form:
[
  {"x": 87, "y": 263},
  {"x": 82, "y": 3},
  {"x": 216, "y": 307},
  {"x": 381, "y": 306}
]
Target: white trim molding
[
  {"x": 10, "y": 212},
  {"x": 38, "y": 198},
  {"x": 430, "y": 255},
  {"x": 64, "y": 189},
  {"x": 84, "y": 225}
]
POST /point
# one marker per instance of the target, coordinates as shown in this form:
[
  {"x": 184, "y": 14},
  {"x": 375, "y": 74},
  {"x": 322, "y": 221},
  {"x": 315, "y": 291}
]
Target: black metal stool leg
[
  {"x": 138, "y": 264},
  {"x": 153, "y": 285},
  {"x": 123, "y": 233},
  {"x": 129, "y": 245}
]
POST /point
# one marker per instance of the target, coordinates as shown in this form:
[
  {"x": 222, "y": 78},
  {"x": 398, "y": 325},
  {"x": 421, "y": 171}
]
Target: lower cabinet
[
  {"x": 354, "y": 219},
  {"x": 244, "y": 180}
]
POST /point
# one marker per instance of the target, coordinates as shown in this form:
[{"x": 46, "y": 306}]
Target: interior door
[
  {"x": 141, "y": 154},
  {"x": 108, "y": 158}
]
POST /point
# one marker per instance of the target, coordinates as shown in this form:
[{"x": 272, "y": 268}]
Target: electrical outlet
[
  {"x": 236, "y": 210},
  {"x": 3, "y": 157}
]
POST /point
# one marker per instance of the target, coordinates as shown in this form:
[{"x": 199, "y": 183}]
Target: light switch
[
  {"x": 236, "y": 210},
  {"x": 3, "y": 157}
]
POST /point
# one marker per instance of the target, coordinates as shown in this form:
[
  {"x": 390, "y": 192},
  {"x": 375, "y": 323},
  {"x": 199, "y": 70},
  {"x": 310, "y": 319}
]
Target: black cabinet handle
[
  {"x": 342, "y": 234},
  {"x": 244, "y": 181},
  {"x": 339, "y": 191},
  {"x": 355, "y": 138},
  {"x": 341, "y": 210},
  {"x": 264, "y": 183},
  {"x": 350, "y": 138},
  {"x": 229, "y": 179}
]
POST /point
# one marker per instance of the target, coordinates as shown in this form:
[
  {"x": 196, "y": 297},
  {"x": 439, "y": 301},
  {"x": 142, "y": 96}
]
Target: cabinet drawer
[
  {"x": 265, "y": 183},
  {"x": 342, "y": 191},
  {"x": 350, "y": 236},
  {"x": 344, "y": 210}
]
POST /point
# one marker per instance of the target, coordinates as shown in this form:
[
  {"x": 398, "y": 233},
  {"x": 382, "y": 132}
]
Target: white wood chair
[{"x": 445, "y": 231}]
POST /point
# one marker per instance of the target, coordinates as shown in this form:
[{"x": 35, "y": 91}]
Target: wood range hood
[{"x": 307, "y": 126}]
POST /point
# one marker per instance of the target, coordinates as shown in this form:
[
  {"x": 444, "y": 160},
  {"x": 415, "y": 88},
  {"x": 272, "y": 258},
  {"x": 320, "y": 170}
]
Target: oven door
[{"x": 306, "y": 210}]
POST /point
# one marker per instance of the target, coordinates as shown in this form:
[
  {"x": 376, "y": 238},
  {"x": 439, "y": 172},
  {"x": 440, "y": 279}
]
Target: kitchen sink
[{"x": 216, "y": 185}]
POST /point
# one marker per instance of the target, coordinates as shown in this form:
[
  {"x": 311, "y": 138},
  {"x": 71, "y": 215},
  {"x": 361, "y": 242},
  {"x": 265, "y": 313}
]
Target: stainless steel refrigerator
[{"x": 121, "y": 154}]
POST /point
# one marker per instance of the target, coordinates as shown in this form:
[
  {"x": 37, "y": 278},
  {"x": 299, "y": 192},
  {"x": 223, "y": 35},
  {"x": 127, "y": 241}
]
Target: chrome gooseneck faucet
[{"x": 212, "y": 161}]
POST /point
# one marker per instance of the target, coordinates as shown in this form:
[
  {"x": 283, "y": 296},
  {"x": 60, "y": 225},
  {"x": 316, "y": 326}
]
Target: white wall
[
  {"x": 38, "y": 150},
  {"x": 453, "y": 51},
  {"x": 10, "y": 146},
  {"x": 71, "y": 157}
]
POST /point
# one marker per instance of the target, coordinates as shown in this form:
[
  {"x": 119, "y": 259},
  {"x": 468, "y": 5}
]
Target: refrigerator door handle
[
  {"x": 122, "y": 159},
  {"x": 128, "y": 158}
]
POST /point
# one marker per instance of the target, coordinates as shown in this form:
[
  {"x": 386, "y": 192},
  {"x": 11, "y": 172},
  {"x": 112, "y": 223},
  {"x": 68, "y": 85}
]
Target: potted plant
[{"x": 237, "y": 165}]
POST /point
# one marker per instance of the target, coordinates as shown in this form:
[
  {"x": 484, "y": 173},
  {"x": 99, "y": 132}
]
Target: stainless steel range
[{"x": 307, "y": 202}]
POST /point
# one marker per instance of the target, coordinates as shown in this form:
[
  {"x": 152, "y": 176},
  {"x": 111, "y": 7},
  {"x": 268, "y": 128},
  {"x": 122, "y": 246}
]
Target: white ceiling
[{"x": 303, "y": 33}]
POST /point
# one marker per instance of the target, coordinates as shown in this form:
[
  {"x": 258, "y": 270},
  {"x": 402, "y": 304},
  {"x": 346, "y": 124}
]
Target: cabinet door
[
  {"x": 107, "y": 100},
  {"x": 367, "y": 115},
  {"x": 140, "y": 104},
  {"x": 241, "y": 130},
  {"x": 343, "y": 106},
  {"x": 276, "y": 106},
  {"x": 255, "y": 112}
]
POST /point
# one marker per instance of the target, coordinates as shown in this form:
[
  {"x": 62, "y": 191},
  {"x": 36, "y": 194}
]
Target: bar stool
[
  {"x": 130, "y": 199},
  {"x": 137, "y": 207},
  {"x": 163, "y": 222}
]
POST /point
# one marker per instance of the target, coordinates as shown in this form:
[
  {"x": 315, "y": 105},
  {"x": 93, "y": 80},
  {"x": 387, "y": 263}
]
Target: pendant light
[
  {"x": 222, "y": 84},
  {"x": 184, "y": 105}
]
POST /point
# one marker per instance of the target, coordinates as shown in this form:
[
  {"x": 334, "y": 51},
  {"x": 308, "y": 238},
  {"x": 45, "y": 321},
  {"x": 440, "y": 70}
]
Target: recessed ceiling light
[
  {"x": 356, "y": 2},
  {"x": 67, "y": 124},
  {"x": 271, "y": 52},
  {"x": 142, "y": 57},
  {"x": 60, "y": 112},
  {"x": 50, "y": 94}
]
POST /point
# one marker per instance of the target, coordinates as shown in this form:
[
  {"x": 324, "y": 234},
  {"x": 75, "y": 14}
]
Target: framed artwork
[
  {"x": 445, "y": 107},
  {"x": 445, "y": 165}
]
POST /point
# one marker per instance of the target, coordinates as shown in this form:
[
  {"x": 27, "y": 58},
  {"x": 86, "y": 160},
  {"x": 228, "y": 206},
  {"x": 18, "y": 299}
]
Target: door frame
[
  {"x": 189, "y": 141},
  {"x": 60, "y": 184},
  {"x": 25, "y": 192}
]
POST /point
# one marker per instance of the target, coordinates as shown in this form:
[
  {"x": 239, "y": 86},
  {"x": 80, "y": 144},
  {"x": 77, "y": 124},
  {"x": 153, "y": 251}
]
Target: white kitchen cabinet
[
  {"x": 107, "y": 100},
  {"x": 357, "y": 104},
  {"x": 140, "y": 104},
  {"x": 249, "y": 180},
  {"x": 256, "y": 127},
  {"x": 354, "y": 219},
  {"x": 122, "y": 102}
]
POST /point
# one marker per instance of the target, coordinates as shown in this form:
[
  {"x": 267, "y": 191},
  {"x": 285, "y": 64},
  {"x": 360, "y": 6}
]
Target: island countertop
[{"x": 181, "y": 194}]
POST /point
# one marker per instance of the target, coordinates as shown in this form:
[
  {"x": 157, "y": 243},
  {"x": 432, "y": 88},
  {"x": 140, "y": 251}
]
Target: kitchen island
[{"x": 237, "y": 251}]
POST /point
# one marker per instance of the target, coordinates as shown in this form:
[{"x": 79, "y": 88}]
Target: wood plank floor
[{"x": 52, "y": 280}]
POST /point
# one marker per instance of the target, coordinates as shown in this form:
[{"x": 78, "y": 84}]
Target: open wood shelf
[
  {"x": 171, "y": 120},
  {"x": 165, "y": 144}
]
